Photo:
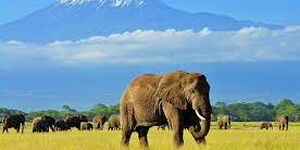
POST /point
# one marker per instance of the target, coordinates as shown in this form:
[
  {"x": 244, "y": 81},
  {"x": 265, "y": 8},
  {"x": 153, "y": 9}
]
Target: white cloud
[{"x": 170, "y": 46}]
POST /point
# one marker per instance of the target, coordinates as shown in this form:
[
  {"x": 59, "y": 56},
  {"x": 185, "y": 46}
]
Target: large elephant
[
  {"x": 224, "y": 121},
  {"x": 99, "y": 121},
  {"x": 265, "y": 125},
  {"x": 86, "y": 126},
  {"x": 14, "y": 121},
  {"x": 74, "y": 121},
  {"x": 178, "y": 98},
  {"x": 114, "y": 122},
  {"x": 283, "y": 121},
  {"x": 42, "y": 124},
  {"x": 61, "y": 125}
]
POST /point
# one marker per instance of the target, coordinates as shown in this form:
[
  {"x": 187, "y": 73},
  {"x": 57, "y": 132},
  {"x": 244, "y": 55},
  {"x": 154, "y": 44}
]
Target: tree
[{"x": 287, "y": 107}]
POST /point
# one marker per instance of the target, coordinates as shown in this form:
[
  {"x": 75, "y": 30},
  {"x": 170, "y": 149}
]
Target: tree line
[{"x": 240, "y": 111}]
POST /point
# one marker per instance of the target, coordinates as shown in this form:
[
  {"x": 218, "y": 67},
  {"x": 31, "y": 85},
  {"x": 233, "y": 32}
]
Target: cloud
[{"x": 155, "y": 47}]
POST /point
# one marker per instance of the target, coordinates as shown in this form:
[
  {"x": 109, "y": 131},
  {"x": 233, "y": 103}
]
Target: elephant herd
[
  {"x": 224, "y": 122},
  {"x": 179, "y": 99},
  {"x": 47, "y": 123}
]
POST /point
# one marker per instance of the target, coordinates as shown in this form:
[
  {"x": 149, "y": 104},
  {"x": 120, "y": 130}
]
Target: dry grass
[{"x": 241, "y": 136}]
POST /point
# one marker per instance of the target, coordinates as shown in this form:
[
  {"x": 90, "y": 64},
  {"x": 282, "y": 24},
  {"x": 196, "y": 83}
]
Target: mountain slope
[{"x": 77, "y": 19}]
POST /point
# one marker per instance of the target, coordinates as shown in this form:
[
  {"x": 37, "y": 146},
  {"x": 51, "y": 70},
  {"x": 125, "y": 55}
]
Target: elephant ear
[{"x": 170, "y": 89}]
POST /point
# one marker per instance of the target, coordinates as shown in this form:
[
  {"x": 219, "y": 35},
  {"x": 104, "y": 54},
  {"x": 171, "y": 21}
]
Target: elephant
[
  {"x": 283, "y": 121},
  {"x": 99, "y": 121},
  {"x": 265, "y": 124},
  {"x": 178, "y": 98},
  {"x": 224, "y": 121},
  {"x": 114, "y": 122},
  {"x": 74, "y": 121},
  {"x": 14, "y": 121},
  {"x": 86, "y": 126},
  {"x": 39, "y": 125},
  {"x": 61, "y": 125},
  {"x": 42, "y": 124}
]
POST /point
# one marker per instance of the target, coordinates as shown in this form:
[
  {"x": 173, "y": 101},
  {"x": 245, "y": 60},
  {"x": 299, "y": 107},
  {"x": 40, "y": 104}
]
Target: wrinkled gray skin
[
  {"x": 43, "y": 124},
  {"x": 99, "y": 121},
  {"x": 75, "y": 121},
  {"x": 61, "y": 125},
  {"x": 114, "y": 122},
  {"x": 86, "y": 126},
  {"x": 283, "y": 121},
  {"x": 178, "y": 98},
  {"x": 224, "y": 121},
  {"x": 265, "y": 125},
  {"x": 14, "y": 121}
]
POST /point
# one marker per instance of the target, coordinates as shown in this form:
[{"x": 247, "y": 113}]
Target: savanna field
[{"x": 241, "y": 136}]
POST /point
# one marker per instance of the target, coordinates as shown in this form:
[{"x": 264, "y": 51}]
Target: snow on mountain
[
  {"x": 77, "y": 19},
  {"x": 113, "y": 3}
]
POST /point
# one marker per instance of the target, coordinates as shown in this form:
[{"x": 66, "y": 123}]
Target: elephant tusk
[{"x": 200, "y": 117}]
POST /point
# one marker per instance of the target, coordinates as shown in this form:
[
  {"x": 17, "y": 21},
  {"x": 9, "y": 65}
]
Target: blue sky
[
  {"x": 248, "y": 64},
  {"x": 270, "y": 11}
]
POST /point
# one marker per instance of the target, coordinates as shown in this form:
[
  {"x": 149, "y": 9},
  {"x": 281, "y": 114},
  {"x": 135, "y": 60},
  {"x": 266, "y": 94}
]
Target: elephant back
[
  {"x": 13, "y": 120},
  {"x": 99, "y": 119},
  {"x": 49, "y": 119},
  {"x": 114, "y": 121}
]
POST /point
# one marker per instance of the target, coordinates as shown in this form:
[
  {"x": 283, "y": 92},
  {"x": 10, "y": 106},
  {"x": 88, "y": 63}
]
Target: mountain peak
[{"x": 114, "y": 3}]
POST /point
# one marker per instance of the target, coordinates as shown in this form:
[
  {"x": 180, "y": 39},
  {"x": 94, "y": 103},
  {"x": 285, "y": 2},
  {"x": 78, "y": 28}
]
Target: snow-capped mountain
[
  {"x": 77, "y": 19},
  {"x": 112, "y": 3}
]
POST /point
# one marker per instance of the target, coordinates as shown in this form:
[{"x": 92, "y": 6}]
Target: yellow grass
[{"x": 243, "y": 136}]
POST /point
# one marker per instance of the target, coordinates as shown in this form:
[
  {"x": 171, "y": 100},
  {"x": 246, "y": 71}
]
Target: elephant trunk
[
  {"x": 204, "y": 124},
  {"x": 204, "y": 128}
]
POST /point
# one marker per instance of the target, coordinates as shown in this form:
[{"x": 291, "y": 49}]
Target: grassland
[{"x": 242, "y": 136}]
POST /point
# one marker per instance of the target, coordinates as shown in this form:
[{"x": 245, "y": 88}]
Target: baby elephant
[
  {"x": 265, "y": 124},
  {"x": 86, "y": 126}
]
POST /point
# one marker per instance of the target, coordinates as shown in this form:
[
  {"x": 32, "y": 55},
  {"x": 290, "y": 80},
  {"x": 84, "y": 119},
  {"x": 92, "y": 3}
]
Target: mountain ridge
[{"x": 61, "y": 21}]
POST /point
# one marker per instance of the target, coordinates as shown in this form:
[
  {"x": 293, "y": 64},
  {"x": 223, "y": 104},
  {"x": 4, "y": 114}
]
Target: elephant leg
[
  {"x": 225, "y": 126},
  {"x": 18, "y": 129},
  {"x": 142, "y": 134},
  {"x": 126, "y": 134},
  {"x": 5, "y": 129},
  {"x": 78, "y": 127},
  {"x": 52, "y": 129},
  {"x": 128, "y": 123},
  {"x": 176, "y": 121},
  {"x": 178, "y": 132}
]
